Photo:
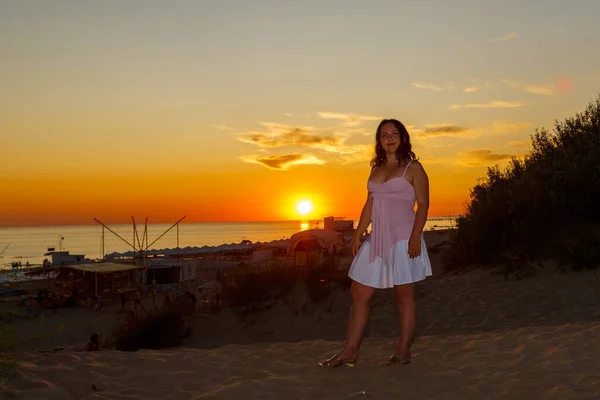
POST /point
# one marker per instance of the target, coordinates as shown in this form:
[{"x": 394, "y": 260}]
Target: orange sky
[
  {"x": 235, "y": 111},
  {"x": 247, "y": 195}
]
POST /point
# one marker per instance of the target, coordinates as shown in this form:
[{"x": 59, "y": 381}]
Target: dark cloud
[
  {"x": 285, "y": 161},
  {"x": 290, "y": 137},
  {"x": 444, "y": 130}
]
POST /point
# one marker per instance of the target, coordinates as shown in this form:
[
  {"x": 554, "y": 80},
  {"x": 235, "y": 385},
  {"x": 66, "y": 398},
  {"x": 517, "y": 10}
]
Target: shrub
[
  {"x": 324, "y": 279},
  {"x": 157, "y": 329},
  {"x": 524, "y": 210},
  {"x": 259, "y": 291},
  {"x": 256, "y": 291},
  {"x": 8, "y": 364}
]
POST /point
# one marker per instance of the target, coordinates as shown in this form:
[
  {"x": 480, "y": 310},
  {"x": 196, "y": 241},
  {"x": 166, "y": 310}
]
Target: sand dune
[
  {"x": 538, "y": 362},
  {"x": 478, "y": 337}
]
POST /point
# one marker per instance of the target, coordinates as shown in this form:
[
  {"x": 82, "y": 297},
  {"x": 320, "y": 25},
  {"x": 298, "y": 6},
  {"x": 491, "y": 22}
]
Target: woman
[{"x": 395, "y": 254}]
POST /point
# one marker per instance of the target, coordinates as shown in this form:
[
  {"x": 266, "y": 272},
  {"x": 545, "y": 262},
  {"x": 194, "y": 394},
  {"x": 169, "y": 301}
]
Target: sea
[{"x": 27, "y": 245}]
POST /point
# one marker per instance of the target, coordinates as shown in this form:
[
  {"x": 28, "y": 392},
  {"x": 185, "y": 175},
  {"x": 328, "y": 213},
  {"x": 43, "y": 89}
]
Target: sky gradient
[{"x": 234, "y": 110}]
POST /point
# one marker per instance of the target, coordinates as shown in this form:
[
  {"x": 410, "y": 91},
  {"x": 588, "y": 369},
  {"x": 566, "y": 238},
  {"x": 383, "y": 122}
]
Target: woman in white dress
[{"x": 395, "y": 254}]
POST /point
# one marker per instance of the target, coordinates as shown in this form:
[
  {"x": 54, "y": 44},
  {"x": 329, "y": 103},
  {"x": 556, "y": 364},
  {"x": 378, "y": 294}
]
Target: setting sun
[{"x": 304, "y": 207}]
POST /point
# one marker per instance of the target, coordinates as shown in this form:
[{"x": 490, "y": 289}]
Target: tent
[
  {"x": 310, "y": 246},
  {"x": 332, "y": 241}
]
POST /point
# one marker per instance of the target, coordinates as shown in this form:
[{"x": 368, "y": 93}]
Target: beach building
[
  {"x": 82, "y": 281},
  {"x": 262, "y": 256},
  {"x": 341, "y": 225},
  {"x": 168, "y": 271},
  {"x": 338, "y": 224},
  {"x": 211, "y": 269},
  {"x": 311, "y": 246},
  {"x": 64, "y": 258},
  {"x": 188, "y": 270}
]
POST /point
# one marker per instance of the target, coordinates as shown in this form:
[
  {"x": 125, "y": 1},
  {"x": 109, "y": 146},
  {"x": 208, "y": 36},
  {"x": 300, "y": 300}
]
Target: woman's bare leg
[
  {"x": 407, "y": 317},
  {"x": 357, "y": 320}
]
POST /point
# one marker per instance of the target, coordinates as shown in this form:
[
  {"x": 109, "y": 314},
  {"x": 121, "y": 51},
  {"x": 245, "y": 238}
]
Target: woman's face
[{"x": 389, "y": 138}]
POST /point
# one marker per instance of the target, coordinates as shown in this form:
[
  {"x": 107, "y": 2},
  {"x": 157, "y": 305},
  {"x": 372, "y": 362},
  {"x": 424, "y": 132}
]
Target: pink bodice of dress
[{"x": 393, "y": 214}]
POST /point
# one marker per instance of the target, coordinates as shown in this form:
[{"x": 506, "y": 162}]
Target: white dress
[{"x": 382, "y": 260}]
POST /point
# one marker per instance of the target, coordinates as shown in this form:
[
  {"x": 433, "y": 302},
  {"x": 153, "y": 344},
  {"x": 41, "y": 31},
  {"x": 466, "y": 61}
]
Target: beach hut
[
  {"x": 91, "y": 280},
  {"x": 309, "y": 247}
]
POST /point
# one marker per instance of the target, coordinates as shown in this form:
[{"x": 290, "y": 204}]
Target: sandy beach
[{"x": 479, "y": 337}]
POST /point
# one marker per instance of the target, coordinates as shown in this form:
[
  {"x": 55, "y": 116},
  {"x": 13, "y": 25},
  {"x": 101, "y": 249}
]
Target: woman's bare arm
[{"x": 420, "y": 182}]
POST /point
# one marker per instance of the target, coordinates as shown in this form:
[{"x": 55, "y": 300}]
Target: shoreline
[
  {"x": 168, "y": 223},
  {"x": 5, "y": 262}
]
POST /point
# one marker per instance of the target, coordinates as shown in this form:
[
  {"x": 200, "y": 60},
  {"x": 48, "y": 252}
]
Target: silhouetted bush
[
  {"x": 579, "y": 247},
  {"x": 256, "y": 291},
  {"x": 157, "y": 329},
  {"x": 543, "y": 206},
  {"x": 325, "y": 278},
  {"x": 259, "y": 291}
]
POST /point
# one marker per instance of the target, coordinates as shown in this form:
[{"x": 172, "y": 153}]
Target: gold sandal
[
  {"x": 398, "y": 360},
  {"x": 334, "y": 362}
]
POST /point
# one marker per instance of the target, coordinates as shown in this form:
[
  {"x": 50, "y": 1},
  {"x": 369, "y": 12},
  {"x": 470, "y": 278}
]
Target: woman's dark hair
[{"x": 404, "y": 151}]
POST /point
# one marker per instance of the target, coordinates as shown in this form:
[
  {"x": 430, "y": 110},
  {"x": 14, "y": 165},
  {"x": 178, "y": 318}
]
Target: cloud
[
  {"x": 349, "y": 120},
  {"x": 491, "y": 104},
  {"x": 480, "y": 157},
  {"x": 471, "y": 89},
  {"x": 522, "y": 143},
  {"x": 283, "y": 162},
  {"x": 450, "y": 130},
  {"x": 222, "y": 127},
  {"x": 290, "y": 137},
  {"x": 361, "y": 153},
  {"x": 287, "y": 114},
  {"x": 278, "y": 135},
  {"x": 508, "y": 36},
  {"x": 443, "y": 130},
  {"x": 275, "y": 135},
  {"x": 542, "y": 90},
  {"x": 429, "y": 86}
]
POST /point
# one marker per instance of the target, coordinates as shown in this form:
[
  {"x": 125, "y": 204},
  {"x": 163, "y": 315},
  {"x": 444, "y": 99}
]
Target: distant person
[
  {"x": 92, "y": 345},
  {"x": 395, "y": 254}
]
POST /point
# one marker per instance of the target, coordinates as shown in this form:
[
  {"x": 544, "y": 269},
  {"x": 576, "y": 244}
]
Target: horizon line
[{"x": 204, "y": 222}]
